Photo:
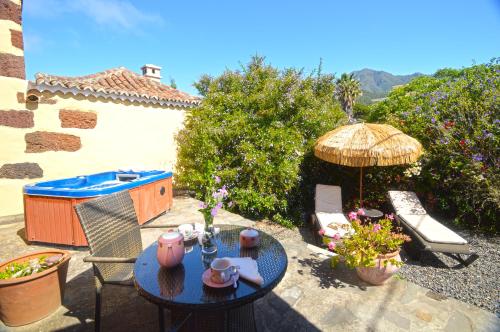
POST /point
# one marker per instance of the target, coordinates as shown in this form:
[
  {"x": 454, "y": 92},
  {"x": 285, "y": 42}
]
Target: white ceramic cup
[
  {"x": 222, "y": 270},
  {"x": 186, "y": 230}
]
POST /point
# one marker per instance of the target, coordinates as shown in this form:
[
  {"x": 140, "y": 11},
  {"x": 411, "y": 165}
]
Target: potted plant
[
  {"x": 32, "y": 286},
  {"x": 373, "y": 249}
]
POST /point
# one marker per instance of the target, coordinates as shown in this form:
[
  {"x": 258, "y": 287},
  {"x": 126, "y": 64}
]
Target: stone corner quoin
[{"x": 17, "y": 119}]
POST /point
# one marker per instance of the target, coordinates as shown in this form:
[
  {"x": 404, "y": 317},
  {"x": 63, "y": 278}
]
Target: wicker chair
[{"x": 113, "y": 234}]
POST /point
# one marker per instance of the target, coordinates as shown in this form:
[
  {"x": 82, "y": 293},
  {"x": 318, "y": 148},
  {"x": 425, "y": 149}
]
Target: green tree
[
  {"x": 257, "y": 125},
  {"x": 347, "y": 90}
]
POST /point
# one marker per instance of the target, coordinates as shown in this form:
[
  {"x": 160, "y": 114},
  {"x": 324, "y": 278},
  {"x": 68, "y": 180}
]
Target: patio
[{"x": 311, "y": 297}]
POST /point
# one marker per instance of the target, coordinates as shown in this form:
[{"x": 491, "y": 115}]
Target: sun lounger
[
  {"x": 328, "y": 211},
  {"x": 427, "y": 232}
]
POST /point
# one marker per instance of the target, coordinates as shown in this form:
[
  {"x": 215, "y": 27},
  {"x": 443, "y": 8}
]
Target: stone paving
[{"x": 311, "y": 297}]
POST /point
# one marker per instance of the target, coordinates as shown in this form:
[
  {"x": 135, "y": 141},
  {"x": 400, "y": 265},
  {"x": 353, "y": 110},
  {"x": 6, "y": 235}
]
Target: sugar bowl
[{"x": 249, "y": 238}]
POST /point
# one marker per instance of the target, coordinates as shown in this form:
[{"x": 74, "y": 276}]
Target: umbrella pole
[{"x": 360, "y": 187}]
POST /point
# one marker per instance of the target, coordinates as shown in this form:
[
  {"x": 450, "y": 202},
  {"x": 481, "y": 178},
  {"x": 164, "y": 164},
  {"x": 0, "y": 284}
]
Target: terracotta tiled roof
[{"x": 116, "y": 83}]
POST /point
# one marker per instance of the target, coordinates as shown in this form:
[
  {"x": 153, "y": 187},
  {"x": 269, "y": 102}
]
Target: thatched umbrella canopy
[{"x": 367, "y": 144}]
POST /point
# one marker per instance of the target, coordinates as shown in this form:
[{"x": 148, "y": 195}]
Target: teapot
[{"x": 170, "y": 250}]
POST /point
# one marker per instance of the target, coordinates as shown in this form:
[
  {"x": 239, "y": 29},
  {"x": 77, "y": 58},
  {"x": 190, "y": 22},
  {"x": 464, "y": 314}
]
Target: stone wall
[{"x": 11, "y": 40}]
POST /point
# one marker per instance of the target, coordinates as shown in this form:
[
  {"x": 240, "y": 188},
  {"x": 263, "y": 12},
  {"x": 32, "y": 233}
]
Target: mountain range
[{"x": 376, "y": 84}]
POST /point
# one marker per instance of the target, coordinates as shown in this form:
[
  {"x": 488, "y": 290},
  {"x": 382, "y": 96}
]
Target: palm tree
[{"x": 347, "y": 90}]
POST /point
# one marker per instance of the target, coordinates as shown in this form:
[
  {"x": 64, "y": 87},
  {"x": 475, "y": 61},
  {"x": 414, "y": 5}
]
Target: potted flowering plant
[
  {"x": 32, "y": 286},
  {"x": 213, "y": 201},
  {"x": 373, "y": 249}
]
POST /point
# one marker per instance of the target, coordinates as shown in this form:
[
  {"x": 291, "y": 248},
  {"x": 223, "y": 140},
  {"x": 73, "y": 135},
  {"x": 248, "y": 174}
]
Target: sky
[{"x": 191, "y": 38}]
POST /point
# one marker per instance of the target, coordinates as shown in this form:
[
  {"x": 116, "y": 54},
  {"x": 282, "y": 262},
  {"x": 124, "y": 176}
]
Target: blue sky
[{"x": 191, "y": 38}]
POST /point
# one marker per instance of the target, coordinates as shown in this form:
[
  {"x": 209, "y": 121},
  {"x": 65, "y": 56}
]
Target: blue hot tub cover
[{"x": 95, "y": 184}]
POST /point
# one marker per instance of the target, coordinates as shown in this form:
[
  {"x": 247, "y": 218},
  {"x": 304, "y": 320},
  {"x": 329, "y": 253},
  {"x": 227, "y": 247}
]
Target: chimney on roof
[{"x": 152, "y": 72}]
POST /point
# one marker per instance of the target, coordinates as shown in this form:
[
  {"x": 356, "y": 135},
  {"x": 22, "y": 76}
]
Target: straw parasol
[{"x": 367, "y": 144}]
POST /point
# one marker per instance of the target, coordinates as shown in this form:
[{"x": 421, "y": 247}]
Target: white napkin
[{"x": 248, "y": 269}]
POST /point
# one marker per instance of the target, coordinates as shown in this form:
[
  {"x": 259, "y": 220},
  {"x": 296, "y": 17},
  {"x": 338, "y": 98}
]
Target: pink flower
[
  {"x": 230, "y": 204},
  {"x": 361, "y": 212},
  {"x": 336, "y": 237},
  {"x": 217, "y": 179},
  {"x": 352, "y": 215},
  {"x": 390, "y": 216},
  {"x": 202, "y": 205},
  {"x": 321, "y": 232},
  {"x": 331, "y": 245},
  {"x": 214, "y": 211},
  {"x": 376, "y": 228}
]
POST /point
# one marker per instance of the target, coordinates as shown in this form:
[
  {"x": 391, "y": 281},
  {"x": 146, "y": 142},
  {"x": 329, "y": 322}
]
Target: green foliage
[
  {"x": 455, "y": 115},
  {"x": 368, "y": 242},
  {"x": 257, "y": 126},
  {"x": 36, "y": 265},
  {"x": 361, "y": 111}
]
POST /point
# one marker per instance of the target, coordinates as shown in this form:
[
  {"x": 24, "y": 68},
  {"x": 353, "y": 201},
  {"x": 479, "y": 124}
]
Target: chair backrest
[
  {"x": 328, "y": 199},
  {"x": 406, "y": 202},
  {"x": 110, "y": 226}
]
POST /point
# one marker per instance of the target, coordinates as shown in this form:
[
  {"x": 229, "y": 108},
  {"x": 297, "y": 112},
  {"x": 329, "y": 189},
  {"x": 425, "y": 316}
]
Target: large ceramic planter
[
  {"x": 28, "y": 299},
  {"x": 379, "y": 273}
]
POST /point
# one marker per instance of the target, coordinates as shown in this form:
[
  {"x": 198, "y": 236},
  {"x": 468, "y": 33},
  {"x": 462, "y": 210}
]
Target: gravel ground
[{"x": 477, "y": 284}]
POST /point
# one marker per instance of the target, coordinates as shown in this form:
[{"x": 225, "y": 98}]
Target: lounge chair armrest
[{"x": 96, "y": 259}]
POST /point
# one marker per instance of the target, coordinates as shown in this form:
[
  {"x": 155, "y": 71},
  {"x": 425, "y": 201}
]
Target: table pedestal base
[{"x": 237, "y": 319}]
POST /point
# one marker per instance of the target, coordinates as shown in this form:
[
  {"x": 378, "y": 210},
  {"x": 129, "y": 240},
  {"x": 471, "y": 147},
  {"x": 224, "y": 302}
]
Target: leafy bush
[
  {"x": 257, "y": 126},
  {"x": 455, "y": 115}
]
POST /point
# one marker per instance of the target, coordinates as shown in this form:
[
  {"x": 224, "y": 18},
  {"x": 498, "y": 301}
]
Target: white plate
[{"x": 208, "y": 281}]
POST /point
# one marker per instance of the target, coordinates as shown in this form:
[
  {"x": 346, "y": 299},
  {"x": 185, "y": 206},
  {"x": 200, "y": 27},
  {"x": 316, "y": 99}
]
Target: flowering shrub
[
  {"x": 456, "y": 116},
  {"x": 368, "y": 242},
  {"x": 257, "y": 127}
]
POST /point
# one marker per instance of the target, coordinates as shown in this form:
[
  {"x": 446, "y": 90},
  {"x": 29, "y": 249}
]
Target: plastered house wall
[{"x": 62, "y": 135}]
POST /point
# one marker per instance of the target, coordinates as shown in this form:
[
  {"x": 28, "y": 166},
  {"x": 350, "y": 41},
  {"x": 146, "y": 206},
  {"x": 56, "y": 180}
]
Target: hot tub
[{"x": 48, "y": 206}]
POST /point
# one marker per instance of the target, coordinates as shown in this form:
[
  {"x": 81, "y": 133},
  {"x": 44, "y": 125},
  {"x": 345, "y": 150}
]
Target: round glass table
[
  {"x": 371, "y": 215},
  {"x": 197, "y": 306}
]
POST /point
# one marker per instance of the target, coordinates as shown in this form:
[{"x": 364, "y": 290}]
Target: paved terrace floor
[{"x": 311, "y": 297}]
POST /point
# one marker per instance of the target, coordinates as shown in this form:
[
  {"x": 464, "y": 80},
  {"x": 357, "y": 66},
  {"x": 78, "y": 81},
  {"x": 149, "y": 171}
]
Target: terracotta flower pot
[
  {"x": 28, "y": 299},
  {"x": 379, "y": 273}
]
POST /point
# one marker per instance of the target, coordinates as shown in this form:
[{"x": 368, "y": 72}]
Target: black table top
[{"x": 181, "y": 287}]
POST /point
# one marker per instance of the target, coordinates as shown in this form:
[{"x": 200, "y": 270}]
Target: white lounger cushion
[
  {"x": 432, "y": 230},
  {"x": 328, "y": 199},
  {"x": 406, "y": 202},
  {"x": 326, "y": 219}
]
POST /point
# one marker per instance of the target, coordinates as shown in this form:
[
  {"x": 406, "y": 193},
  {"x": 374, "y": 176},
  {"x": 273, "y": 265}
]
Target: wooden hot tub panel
[{"x": 53, "y": 219}]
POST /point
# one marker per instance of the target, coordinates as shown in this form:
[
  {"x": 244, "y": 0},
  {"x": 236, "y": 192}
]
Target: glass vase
[{"x": 208, "y": 243}]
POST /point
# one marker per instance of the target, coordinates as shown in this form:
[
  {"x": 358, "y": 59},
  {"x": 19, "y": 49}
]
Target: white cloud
[{"x": 109, "y": 13}]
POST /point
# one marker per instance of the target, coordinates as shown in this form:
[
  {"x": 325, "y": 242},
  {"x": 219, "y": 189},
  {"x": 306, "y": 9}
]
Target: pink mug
[{"x": 249, "y": 238}]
